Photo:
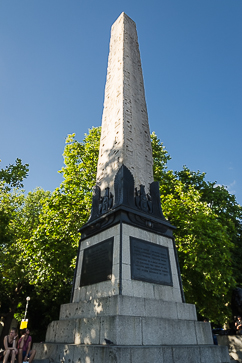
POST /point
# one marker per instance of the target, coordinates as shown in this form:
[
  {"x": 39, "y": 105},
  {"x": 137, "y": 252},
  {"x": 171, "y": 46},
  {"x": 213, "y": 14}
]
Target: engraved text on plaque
[
  {"x": 150, "y": 262},
  {"x": 97, "y": 263}
]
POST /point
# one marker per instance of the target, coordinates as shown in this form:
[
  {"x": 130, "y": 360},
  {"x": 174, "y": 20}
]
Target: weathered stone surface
[
  {"x": 105, "y": 288},
  {"x": 167, "y": 332},
  {"x": 121, "y": 330},
  {"x": 131, "y": 354},
  {"x": 131, "y": 306},
  {"x": 153, "y": 355},
  {"x": 129, "y": 287},
  {"x": 125, "y": 137},
  {"x": 203, "y": 333},
  {"x": 87, "y": 331},
  {"x": 186, "y": 311},
  {"x": 186, "y": 355},
  {"x": 144, "y": 289},
  {"x": 61, "y": 331},
  {"x": 234, "y": 343},
  {"x": 129, "y": 330},
  {"x": 213, "y": 354}
]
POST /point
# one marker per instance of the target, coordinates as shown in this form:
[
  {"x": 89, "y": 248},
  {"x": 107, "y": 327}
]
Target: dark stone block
[
  {"x": 124, "y": 188},
  {"x": 96, "y": 196},
  {"x": 155, "y": 196}
]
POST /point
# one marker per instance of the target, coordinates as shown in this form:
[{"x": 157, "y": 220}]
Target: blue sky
[{"x": 53, "y": 62}]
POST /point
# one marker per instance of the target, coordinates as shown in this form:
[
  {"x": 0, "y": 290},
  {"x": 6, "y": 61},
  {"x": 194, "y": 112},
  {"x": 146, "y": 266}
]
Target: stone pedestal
[
  {"x": 146, "y": 322},
  {"x": 127, "y": 329},
  {"x": 120, "y": 282},
  {"x": 128, "y": 321}
]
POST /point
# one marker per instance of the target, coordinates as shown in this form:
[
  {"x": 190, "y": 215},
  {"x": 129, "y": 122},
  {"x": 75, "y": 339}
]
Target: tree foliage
[
  {"x": 14, "y": 174},
  {"x": 68, "y": 208},
  {"x": 16, "y": 274},
  {"x": 208, "y": 232},
  {"x": 10, "y": 205},
  {"x": 40, "y": 241}
]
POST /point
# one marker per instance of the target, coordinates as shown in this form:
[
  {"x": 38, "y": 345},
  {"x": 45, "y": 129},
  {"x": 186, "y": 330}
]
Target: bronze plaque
[
  {"x": 150, "y": 262},
  {"x": 97, "y": 263}
]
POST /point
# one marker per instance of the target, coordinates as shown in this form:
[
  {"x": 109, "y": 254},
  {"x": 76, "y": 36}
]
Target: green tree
[
  {"x": 224, "y": 205},
  {"x": 10, "y": 202},
  {"x": 53, "y": 245},
  {"x": 11, "y": 176},
  {"x": 208, "y": 225},
  {"x": 42, "y": 236},
  {"x": 67, "y": 209},
  {"x": 23, "y": 217},
  {"x": 14, "y": 174}
]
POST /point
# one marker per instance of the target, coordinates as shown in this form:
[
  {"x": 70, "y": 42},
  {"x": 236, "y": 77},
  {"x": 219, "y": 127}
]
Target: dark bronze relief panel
[
  {"x": 150, "y": 262},
  {"x": 97, "y": 263}
]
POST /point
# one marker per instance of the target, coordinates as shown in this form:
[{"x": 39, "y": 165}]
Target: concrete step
[
  {"x": 56, "y": 353},
  {"x": 234, "y": 343},
  {"x": 126, "y": 305},
  {"x": 129, "y": 330}
]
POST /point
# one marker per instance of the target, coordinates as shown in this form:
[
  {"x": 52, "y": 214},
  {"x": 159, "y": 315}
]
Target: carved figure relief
[
  {"x": 106, "y": 202},
  {"x": 143, "y": 201}
]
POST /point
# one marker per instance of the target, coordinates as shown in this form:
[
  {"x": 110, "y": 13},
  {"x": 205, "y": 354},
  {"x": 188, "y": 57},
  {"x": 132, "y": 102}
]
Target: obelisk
[
  {"x": 127, "y": 304},
  {"x": 125, "y": 137}
]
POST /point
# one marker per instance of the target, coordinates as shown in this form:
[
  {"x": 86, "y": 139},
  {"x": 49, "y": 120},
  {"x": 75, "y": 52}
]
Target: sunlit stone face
[{"x": 125, "y": 137}]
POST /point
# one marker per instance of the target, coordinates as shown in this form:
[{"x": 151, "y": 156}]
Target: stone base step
[
  {"x": 129, "y": 330},
  {"x": 57, "y": 353},
  {"x": 126, "y": 305}
]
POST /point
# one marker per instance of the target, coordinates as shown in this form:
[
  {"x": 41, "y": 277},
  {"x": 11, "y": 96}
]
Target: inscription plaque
[
  {"x": 97, "y": 263},
  {"x": 150, "y": 262}
]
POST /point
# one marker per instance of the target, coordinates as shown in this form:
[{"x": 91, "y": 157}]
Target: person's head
[
  {"x": 239, "y": 317},
  {"x": 13, "y": 332},
  {"x": 25, "y": 331}
]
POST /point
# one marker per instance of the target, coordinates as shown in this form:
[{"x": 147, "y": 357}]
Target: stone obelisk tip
[
  {"x": 125, "y": 138},
  {"x": 123, "y": 15}
]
